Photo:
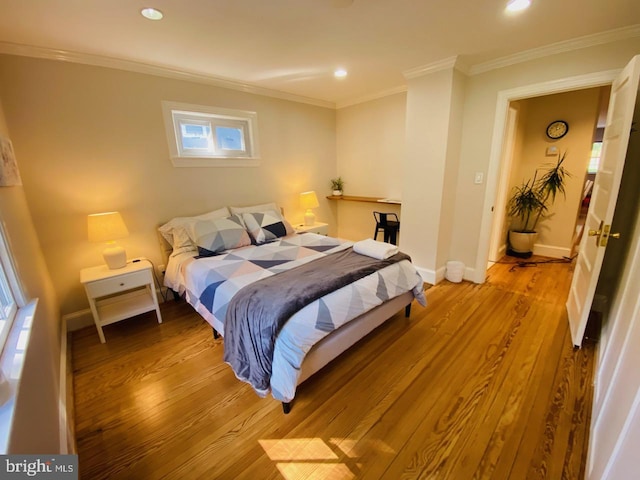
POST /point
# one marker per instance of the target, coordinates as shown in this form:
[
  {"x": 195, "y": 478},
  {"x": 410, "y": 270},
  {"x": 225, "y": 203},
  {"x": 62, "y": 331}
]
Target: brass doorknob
[
  {"x": 595, "y": 233},
  {"x": 614, "y": 235}
]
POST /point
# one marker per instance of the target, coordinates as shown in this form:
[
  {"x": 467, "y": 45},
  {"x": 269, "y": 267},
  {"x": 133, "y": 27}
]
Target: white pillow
[{"x": 175, "y": 231}]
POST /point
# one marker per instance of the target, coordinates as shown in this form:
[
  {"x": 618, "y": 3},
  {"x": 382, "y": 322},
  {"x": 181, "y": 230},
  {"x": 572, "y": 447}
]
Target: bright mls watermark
[{"x": 54, "y": 467}]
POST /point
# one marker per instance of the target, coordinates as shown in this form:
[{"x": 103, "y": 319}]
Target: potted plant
[
  {"x": 337, "y": 185},
  {"x": 529, "y": 202}
]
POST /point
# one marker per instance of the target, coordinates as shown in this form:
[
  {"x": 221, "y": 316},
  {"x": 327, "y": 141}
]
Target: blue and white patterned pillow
[
  {"x": 265, "y": 226},
  {"x": 217, "y": 235},
  {"x": 176, "y": 231}
]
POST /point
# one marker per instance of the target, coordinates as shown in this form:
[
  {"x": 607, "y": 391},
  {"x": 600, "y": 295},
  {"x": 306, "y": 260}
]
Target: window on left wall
[
  {"x": 11, "y": 296},
  {"x": 204, "y": 136}
]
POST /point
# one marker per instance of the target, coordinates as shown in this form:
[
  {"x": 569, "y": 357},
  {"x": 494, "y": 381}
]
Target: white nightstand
[
  {"x": 318, "y": 227},
  {"x": 118, "y": 294}
]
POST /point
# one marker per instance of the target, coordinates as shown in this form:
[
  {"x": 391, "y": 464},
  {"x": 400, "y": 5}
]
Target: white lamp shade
[
  {"x": 309, "y": 200},
  {"x": 108, "y": 227}
]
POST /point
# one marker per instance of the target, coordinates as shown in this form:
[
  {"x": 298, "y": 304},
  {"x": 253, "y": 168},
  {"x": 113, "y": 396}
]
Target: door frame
[
  {"x": 497, "y": 241},
  {"x": 579, "y": 82}
]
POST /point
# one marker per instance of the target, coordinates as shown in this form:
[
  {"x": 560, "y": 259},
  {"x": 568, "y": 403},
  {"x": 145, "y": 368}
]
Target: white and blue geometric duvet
[{"x": 211, "y": 282}]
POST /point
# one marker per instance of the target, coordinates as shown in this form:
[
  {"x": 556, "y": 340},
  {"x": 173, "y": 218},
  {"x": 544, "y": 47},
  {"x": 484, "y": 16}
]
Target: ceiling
[{"x": 293, "y": 46}]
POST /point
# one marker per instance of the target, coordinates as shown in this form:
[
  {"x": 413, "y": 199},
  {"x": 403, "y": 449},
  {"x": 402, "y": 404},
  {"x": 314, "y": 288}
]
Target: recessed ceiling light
[
  {"x": 151, "y": 13},
  {"x": 340, "y": 73},
  {"x": 518, "y": 5}
]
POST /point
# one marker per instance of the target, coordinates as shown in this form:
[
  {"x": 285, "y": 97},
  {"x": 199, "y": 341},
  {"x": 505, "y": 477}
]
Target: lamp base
[
  {"x": 115, "y": 256},
  {"x": 309, "y": 218}
]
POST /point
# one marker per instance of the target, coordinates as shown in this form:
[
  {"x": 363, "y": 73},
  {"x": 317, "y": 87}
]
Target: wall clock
[{"x": 557, "y": 129}]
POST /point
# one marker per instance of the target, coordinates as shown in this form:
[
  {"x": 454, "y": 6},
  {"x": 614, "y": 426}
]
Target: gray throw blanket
[{"x": 257, "y": 313}]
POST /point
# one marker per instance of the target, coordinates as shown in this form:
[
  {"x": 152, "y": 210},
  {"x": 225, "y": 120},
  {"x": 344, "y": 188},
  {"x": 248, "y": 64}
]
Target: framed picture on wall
[{"x": 9, "y": 173}]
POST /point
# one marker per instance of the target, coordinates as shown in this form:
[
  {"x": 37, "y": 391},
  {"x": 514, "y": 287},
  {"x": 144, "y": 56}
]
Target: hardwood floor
[{"x": 482, "y": 383}]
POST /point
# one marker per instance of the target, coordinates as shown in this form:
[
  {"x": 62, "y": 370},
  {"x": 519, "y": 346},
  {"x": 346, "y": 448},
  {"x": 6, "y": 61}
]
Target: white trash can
[{"x": 454, "y": 272}]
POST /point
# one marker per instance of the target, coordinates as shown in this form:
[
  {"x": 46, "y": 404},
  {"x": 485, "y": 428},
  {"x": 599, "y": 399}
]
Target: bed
[{"x": 235, "y": 265}]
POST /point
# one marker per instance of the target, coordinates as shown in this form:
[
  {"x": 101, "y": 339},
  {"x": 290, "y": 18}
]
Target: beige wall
[
  {"x": 479, "y": 115},
  {"x": 36, "y": 418},
  {"x": 100, "y": 146},
  {"x": 580, "y": 110},
  {"x": 370, "y": 153},
  {"x": 434, "y": 109},
  {"x": 370, "y": 145},
  {"x": 451, "y": 116},
  {"x": 92, "y": 139},
  {"x": 451, "y": 168}
]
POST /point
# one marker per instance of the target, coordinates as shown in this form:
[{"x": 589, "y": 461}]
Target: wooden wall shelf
[{"x": 353, "y": 198}]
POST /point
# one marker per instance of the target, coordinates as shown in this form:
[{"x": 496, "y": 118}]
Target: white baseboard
[
  {"x": 434, "y": 277},
  {"x": 77, "y": 320},
  {"x": 428, "y": 276},
  {"x": 469, "y": 274},
  {"x": 83, "y": 318},
  {"x": 440, "y": 274},
  {"x": 551, "y": 251}
]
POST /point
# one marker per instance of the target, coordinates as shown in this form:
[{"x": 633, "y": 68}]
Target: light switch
[{"x": 478, "y": 178}]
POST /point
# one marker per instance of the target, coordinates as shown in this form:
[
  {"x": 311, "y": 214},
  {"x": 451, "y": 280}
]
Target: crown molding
[
  {"x": 374, "y": 96},
  {"x": 153, "y": 69},
  {"x": 444, "y": 64},
  {"x": 453, "y": 62},
  {"x": 556, "y": 48}
]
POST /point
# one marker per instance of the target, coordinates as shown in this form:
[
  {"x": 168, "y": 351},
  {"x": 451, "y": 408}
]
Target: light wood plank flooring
[{"x": 482, "y": 383}]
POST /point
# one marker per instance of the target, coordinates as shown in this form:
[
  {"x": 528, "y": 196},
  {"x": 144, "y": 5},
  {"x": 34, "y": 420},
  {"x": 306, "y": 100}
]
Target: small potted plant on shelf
[
  {"x": 529, "y": 203},
  {"x": 337, "y": 185}
]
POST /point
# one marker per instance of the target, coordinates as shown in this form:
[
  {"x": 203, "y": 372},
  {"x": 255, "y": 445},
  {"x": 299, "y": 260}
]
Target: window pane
[
  {"x": 196, "y": 137},
  {"x": 204, "y": 136},
  {"x": 594, "y": 161},
  {"x": 230, "y": 138},
  {"x": 7, "y": 304}
]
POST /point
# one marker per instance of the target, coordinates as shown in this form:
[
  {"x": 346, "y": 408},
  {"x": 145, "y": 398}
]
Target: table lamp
[
  {"x": 108, "y": 227},
  {"x": 309, "y": 200}
]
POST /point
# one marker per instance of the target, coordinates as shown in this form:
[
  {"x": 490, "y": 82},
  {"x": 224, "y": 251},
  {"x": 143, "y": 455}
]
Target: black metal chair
[{"x": 389, "y": 224}]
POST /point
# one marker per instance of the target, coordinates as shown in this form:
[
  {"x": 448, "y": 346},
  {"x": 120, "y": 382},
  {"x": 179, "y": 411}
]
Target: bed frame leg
[
  {"x": 407, "y": 311},
  {"x": 216, "y": 335},
  {"x": 286, "y": 407},
  {"x": 176, "y": 295}
]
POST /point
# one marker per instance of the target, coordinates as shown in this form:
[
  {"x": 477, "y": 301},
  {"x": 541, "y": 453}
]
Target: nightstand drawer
[
  {"x": 107, "y": 286},
  {"x": 318, "y": 227}
]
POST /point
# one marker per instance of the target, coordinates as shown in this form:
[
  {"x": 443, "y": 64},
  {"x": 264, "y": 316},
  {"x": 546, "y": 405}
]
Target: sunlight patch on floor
[
  {"x": 298, "y": 449},
  {"x": 350, "y": 446},
  {"x": 319, "y": 471},
  {"x": 311, "y": 458}
]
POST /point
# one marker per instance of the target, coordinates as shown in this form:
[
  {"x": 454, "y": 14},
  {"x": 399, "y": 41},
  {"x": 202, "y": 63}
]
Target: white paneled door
[{"x": 603, "y": 200}]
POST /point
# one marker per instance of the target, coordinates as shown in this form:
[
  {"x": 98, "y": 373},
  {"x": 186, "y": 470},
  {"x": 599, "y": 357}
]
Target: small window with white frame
[
  {"x": 11, "y": 295},
  {"x": 202, "y": 136}
]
